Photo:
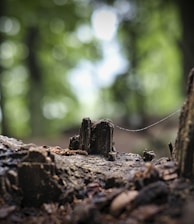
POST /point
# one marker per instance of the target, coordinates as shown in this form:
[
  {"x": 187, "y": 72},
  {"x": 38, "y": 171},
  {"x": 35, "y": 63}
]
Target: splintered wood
[
  {"x": 95, "y": 138},
  {"x": 184, "y": 145}
]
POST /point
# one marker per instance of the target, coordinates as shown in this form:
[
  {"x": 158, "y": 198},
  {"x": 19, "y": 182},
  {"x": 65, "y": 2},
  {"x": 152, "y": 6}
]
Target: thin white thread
[{"x": 149, "y": 126}]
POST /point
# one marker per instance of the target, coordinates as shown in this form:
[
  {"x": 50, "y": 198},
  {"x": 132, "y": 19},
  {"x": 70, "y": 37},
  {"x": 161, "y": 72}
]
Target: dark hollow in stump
[
  {"x": 184, "y": 145},
  {"x": 94, "y": 137}
]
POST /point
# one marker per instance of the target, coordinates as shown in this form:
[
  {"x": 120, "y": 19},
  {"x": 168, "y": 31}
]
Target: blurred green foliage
[
  {"x": 153, "y": 81},
  {"x": 58, "y": 51},
  {"x": 147, "y": 34}
]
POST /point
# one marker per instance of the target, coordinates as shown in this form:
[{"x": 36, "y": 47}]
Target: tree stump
[
  {"x": 85, "y": 134},
  {"x": 102, "y": 137},
  {"x": 95, "y": 138},
  {"x": 44, "y": 184},
  {"x": 184, "y": 145}
]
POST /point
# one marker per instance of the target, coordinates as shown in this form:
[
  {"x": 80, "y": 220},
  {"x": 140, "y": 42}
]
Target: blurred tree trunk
[
  {"x": 35, "y": 82},
  {"x": 4, "y": 122},
  {"x": 135, "y": 59},
  {"x": 133, "y": 92},
  {"x": 186, "y": 10},
  {"x": 184, "y": 145}
]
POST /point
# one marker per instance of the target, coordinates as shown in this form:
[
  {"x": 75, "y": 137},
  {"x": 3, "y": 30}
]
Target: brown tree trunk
[
  {"x": 35, "y": 84},
  {"x": 186, "y": 9},
  {"x": 4, "y": 123},
  {"x": 184, "y": 146}
]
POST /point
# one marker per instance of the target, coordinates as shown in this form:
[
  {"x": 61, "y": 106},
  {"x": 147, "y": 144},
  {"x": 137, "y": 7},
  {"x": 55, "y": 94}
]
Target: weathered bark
[
  {"x": 85, "y": 134},
  {"x": 86, "y": 188},
  {"x": 184, "y": 145},
  {"x": 35, "y": 178},
  {"x": 102, "y": 138},
  {"x": 95, "y": 138}
]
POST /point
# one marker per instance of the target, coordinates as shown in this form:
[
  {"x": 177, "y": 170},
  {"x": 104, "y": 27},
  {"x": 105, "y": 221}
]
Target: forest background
[{"x": 64, "y": 60}]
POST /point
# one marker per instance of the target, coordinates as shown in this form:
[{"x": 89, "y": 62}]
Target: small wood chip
[
  {"x": 5, "y": 211},
  {"x": 120, "y": 202}
]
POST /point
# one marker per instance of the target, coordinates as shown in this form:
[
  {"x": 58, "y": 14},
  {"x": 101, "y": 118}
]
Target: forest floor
[{"x": 42, "y": 183}]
